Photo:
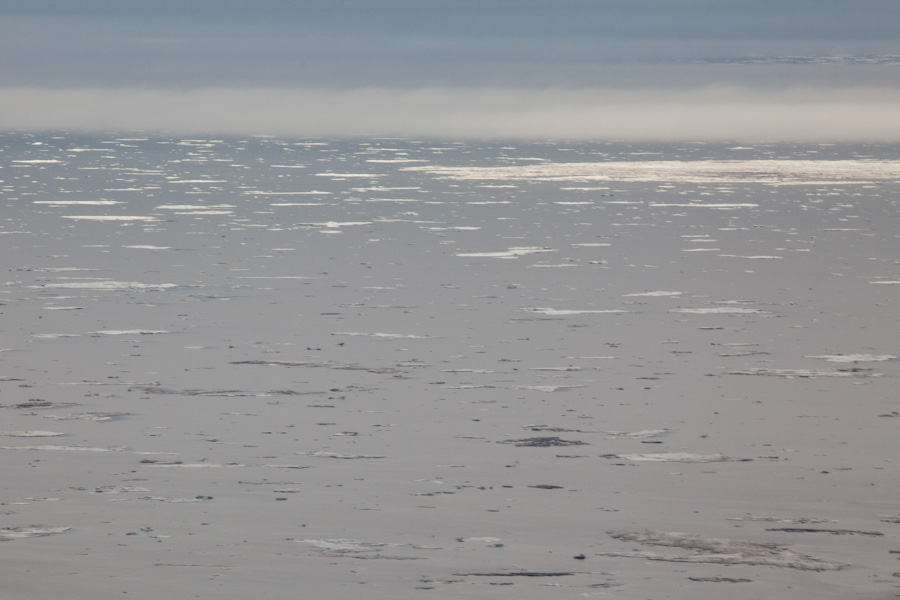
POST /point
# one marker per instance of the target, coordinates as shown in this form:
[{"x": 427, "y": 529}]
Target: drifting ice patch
[
  {"x": 31, "y": 433},
  {"x": 18, "y": 533},
  {"x": 776, "y": 172},
  {"x": 681, "y": 457},
  {"x": 65, "y": 448},
  {"x": 106, "y": 286},
  {"x": 514, "y": 252},
  {"x": 390, "y": 336},
  {"x": 562, "y": 312},
  {"x": 129, "y": 331},
  {"x": 847, "y": 358},
  {"x": 720, "y": 551},
  {"x": 721, "y": 310},
  {"x": 109, "y": 218}
]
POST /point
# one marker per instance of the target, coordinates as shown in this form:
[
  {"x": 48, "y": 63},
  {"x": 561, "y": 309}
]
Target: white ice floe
[
  {"x": 128, "y": 331},
  {"x": 19, "y": 533},
  {"x": 273, "y": 277},
  {"x": 265, "y": 193},
  {"x": 34, "y": 433},
  {"x": 147, "y": 247},
  {"x": 79, "y": 202},
  {"x": 54, "y": 336},
  {"x": 653, "y": 294},
  {"x": 336, "y": 224},
  {"x": 110, "y": 218},
  {"x": 390, "y": 336},
  {"x": 563, "y": 311},
  {"x": 557, "y": 266},
  {"x": 322, "y": 454},
  {"x": 65, "y": 448},
  {"x": 716, "y": 206},
  {"x": 643, "y": 434},
  {"x": 681, "y": 457},
  {"x": 547, "y": 388},
  {"x": 852, "y": 358},
  {"x": 358, "y": 549},
  {"x": 702, "y": 549},
  {"x": 119, "y": 489},
  {"x": 778, "y": 172},
  {"x": 113, "y": 286},
  {"x": 514, "y": 252},
  {"x": 807, "y": 373},
  {"x": 92, "y": 416},
  {"x": 720, "y": 310},
  {"x": 759, "y": 257},
  {"x": 172, "y": 180},
  {"x": 348, "y": 175},
  {"x": 193, "y": 206},
  {"x": 190, "y": 465}
]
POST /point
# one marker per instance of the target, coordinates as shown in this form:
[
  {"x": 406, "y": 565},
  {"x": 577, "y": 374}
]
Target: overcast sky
[{"x": 815, "y": 70}]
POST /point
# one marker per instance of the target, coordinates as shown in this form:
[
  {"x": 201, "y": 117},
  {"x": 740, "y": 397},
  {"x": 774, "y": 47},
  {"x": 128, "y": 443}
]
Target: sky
[{"x": 803, "y": 70}]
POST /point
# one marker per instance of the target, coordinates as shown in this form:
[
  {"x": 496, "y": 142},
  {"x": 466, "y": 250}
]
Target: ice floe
[
  {"x": 703, "y": 549},
  {"x": 681, "y": 457},
  {"x": 779, "y": 172},
  {"x": 514, "y": 252},
  {"x": 721, "y": 310},
  {"x": 33, "y": 531},
  {"x": 854, "y": 358},
  {"x": 557, "y": 312},
  {"x": 53, "y": 448},
  {"x": 103, "y": 286}
]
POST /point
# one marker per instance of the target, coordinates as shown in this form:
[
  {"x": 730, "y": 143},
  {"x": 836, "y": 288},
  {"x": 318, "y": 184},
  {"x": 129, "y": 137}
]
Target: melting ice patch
[
  {"x": 514, "y": 252},
  {"x": 19, "y": 533},
  {"x": 33, "y": 433},
  {"x": 336, "y": 224},
  {"x": 192, "y": 206},
  {"x": 848, "y": 358},
  {"x": 681, "y": 457},
  {"x": 721, "y": 310},
  {"x": 855, "y": 372},
  {"x": 110, "y": 218},
  {"x": 128, "y": 331},
  {"x": 720, "y": 551},
  {"x": 78, "y": 202},
  {"x": 757, "y": 257},
  {"x": 564, "y": 312},
  {"x": 359, "y": 549},
  {"x": 701, "y": 171},
  {"x": 717, "y": 205},
  {"x": 53, "y": 448},
  {"x": 387, "y": 336},
  {"x": 106, "y": 286}
]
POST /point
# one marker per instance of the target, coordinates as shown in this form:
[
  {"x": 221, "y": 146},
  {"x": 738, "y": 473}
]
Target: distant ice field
[{"x": 485, "y": 369}]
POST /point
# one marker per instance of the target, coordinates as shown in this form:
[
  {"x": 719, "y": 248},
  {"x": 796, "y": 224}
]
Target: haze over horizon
[{"x": 685, "y": 69}]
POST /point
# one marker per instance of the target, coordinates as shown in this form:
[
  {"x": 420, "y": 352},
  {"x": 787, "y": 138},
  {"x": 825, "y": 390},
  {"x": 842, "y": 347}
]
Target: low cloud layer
[{"x": 708, "y": 113}]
